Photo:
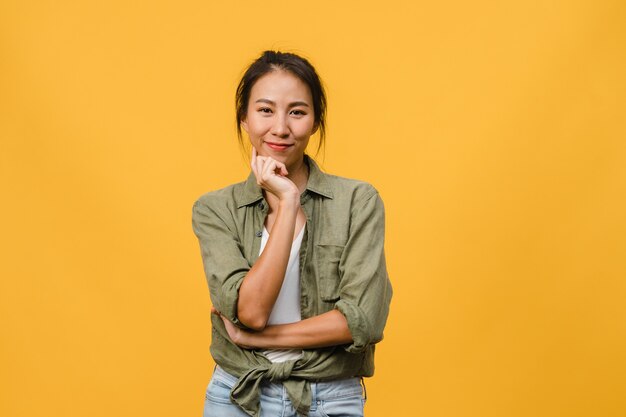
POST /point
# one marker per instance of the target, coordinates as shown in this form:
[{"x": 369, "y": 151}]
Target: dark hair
[{"x": 272, "y": 61}]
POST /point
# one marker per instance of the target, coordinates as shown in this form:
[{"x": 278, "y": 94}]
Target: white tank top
[{"x": 287, "y": 306}]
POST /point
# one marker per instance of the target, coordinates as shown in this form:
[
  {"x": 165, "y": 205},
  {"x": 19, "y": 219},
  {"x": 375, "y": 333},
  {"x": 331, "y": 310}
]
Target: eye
[
  {"x": 265, "y": 110},
  {"x": 299, "y": 112}
]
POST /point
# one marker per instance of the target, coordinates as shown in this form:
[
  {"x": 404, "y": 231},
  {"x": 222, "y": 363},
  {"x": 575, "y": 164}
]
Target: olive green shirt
[{"x": 342, "y": 266}]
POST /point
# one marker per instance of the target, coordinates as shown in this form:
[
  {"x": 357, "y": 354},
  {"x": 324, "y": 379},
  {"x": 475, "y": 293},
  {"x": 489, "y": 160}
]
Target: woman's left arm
[{"x": 328, "y": 329}]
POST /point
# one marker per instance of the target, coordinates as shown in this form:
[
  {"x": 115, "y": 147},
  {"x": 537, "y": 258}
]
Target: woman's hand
[
  {"x": 271, "y": 175},
  {"x": 237, "y": 335}
]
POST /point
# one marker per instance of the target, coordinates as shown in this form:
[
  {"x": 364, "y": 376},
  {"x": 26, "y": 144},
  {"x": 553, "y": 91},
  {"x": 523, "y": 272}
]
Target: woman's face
[{"x": 280, "y": 117}]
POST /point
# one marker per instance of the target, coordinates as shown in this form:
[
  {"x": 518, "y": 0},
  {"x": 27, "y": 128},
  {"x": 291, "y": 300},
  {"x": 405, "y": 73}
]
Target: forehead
[{"x": 280, "y": 86}]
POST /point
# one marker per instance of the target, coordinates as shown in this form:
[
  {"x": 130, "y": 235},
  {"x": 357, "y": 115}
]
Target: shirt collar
[{"x": 317, "y": 183}]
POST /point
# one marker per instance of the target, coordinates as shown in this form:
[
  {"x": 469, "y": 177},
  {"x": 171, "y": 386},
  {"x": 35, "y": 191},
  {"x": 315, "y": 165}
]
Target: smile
[{"x": 277, "y": 146}]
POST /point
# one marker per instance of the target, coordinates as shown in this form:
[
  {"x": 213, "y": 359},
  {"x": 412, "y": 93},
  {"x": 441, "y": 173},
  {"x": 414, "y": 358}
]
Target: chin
[
  {"x": 276, "y": 155},
  {"x": 282, "y": 159}
]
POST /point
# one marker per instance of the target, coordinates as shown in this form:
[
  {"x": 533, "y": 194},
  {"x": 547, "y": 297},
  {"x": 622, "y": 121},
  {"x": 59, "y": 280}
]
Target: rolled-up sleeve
[
  {"x": 365, "y": 289},
  {"x": 224, "y": 263}
]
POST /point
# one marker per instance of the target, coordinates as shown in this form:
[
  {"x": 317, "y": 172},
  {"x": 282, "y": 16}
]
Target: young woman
[{"x": 294, "y": 260}]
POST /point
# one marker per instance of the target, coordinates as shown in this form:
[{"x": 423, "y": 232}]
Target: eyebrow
[{"x": 292, "y": 104}]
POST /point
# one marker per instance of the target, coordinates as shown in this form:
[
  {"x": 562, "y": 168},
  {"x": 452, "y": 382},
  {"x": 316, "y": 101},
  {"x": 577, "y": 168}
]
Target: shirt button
[
  {"x": 259, "y": 233},
  {"x": 261, "y": 206},
  {"x": 319, "y": 402}
]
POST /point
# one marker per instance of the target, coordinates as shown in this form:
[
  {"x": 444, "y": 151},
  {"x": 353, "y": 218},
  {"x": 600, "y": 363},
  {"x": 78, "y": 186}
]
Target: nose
[{"x": 280, "y": 128}]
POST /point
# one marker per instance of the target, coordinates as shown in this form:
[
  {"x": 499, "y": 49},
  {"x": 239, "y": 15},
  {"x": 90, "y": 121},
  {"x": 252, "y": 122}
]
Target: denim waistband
[{"x": 320, "y": 391}]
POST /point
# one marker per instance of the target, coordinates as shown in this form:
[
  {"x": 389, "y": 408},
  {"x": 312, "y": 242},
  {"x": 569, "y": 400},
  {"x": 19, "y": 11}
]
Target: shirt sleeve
[
  {"x": 224, "y": 263},
  {"x": 365, "y": 290}
]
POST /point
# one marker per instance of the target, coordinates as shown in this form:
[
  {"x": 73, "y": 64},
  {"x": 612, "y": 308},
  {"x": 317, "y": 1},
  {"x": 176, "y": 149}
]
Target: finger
[
  {"x": 269, "y": 169},
  {"x": 260, "y": 165},
  {"x": 265, "y": 167},
  {"x": 253, "y": 161},
  {"x": 283, "y": 168},
  {"x": 261, "y": 161},
  {"x": 280, "y": 168},
  {"x": 257, "y": 162}
]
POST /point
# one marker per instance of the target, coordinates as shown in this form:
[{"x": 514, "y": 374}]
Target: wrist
[
  {"x": 245, "y": 340},
  {"x": 291, "y": 200}
]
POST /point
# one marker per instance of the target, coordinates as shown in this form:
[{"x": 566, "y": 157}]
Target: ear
[
  {"x": 315, "y": 127},
  {"x": 244, "y": 124}
]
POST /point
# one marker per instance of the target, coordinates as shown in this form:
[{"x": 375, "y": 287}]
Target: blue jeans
[{"x": 342, "y": 397}]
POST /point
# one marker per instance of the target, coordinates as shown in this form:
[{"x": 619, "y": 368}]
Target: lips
[{"x": 278, "y": 146}]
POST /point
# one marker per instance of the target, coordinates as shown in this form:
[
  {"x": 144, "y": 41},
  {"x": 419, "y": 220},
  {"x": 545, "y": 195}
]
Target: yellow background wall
[{"x": 494, "y": 130}]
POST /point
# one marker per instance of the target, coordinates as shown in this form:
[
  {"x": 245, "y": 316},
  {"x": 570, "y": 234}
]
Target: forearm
[
  {"x": 328, "y": 329},
  {"x": 263, "y": 282}
]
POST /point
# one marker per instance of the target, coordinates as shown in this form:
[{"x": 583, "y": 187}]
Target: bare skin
[{"x": 328, "y": 329}]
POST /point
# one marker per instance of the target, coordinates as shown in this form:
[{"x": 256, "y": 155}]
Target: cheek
[
  {"x": 258, "y": 125},
  {"x": 255, "y": 141},
  {"x": 306, "y": 133},
  {"x": 305, "y": 127}
]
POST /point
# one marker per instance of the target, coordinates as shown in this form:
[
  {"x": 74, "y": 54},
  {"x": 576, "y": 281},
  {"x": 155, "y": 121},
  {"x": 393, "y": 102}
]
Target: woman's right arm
[
  {"x": 245, "y": 294},
  {"x": 262, "y": 283}
]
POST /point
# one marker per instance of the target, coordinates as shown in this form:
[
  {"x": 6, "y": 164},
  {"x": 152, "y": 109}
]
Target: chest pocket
[{"x": 328, "y": 257}]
